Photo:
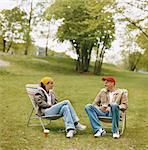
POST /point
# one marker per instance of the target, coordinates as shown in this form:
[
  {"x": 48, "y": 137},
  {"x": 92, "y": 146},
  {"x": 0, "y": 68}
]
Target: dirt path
[{"x": 4, "y": 63}]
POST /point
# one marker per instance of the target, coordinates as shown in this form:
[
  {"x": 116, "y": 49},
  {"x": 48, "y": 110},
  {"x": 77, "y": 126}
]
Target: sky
[
  {"x": 5, "y": 4},
  {"x": 58, "y": 47},
  {"x": 113, "y": 56}
]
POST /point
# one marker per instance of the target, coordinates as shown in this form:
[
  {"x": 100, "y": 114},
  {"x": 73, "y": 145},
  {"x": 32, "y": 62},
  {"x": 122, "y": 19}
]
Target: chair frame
[
  {"x": 109, "y": 120},
  {"x": 31, "y": 90}
]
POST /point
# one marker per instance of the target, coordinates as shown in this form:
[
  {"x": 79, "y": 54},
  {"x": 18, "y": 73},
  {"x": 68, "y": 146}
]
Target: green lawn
[{"x": 80, "y": 89}]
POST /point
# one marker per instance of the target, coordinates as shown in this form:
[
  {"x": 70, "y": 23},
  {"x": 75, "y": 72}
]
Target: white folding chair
[
  {"x": 32, "y": 89},
  {"x": 122, "y": 121}
]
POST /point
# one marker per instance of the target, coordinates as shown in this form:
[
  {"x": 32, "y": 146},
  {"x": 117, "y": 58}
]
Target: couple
[{"x": 108, "y": 102}]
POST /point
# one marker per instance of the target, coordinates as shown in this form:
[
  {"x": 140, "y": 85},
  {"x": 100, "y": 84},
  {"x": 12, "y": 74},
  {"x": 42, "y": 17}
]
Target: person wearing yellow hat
[{"x": 48, "y": 105}]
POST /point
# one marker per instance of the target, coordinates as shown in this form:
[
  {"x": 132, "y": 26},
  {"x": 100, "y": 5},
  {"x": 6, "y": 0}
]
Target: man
[{"x": 108, "y": 102}]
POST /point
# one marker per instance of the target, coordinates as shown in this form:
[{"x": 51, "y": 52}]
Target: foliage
[
  {"x": 142, "y": 40},
  {"x": 13, "y": 25},
  {"x": 134, "y": 59},
  {"x": 83, "y": 22},
  {"x": 36, "y": 23},
  {"x": 136, "y": 25},
  {"x": 143, "y": 64}
]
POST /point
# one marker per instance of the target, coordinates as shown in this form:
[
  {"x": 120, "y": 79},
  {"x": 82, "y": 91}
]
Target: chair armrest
[{"x": 52, "y": 117}]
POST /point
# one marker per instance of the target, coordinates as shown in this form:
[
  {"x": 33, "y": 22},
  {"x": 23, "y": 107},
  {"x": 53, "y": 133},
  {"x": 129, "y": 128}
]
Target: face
[
  {"x": 108, "y": 84},
  {"x": 49, "y": 86}
]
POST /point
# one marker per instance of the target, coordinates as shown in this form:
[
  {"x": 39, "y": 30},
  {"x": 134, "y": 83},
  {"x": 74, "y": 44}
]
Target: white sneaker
[
  {"x": 81, "y": 127},
  {"x": 116, "y": 135},
  {"x": 99, "y": 133},
  {"x": 70, "y": 133}
]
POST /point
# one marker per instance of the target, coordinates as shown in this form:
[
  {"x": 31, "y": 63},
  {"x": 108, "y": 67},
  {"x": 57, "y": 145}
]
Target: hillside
[{"x": 80, "y": 89}]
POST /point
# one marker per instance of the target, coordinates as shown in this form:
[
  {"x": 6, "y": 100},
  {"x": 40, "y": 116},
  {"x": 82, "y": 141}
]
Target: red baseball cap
[{"x": 109, "y": 78}]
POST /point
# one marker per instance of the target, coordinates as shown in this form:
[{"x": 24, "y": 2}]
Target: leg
[
  {"x": 55, "y": 109},
  {"x": 75, "y": 118},
  {"x": 63, "y": 109},
  {"x": 115, "y": 117},
  {"x": 93, "y": 114},
  {"x": 73, "y": 113}
]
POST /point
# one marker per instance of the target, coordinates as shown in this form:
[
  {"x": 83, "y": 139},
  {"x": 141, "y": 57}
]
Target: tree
[
  {"x": 81, "y": 20},
  {"x": 143, "y": 64},
  {"x": 134, "y": 59},
  {"x": 43, "y": 25},
  {"x": 36, "y": 21},
  {"x": 136, "y": 27},
  {"x": 142, "y": 41},
  {"x": 104, "y": 40},
  {"x": 28, "y": 28},
  {"x": 12, "y": 27}
]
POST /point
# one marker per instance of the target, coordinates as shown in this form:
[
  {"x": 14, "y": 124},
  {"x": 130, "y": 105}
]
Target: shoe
[
  {"x": 116, "y": 135},
  {"x": 70, "y": 133},
  {"x": 99, "y": 133},
  {"x": 81, "y": 127}
]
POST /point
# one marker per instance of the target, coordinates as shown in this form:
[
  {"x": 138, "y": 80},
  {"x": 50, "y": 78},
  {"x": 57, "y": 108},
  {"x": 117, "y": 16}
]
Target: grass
[{"x": 80, "y": 89}]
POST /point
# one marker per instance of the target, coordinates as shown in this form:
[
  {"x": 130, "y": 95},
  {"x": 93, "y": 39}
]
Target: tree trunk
[
  {"x": 96, "y": 62},
  {"x": 78, "y": 60},
  {"x": 26, "y": 47},
  {"x": 134, "y": 66},
  {"x": 99, "y": 62},
  {"x": 88, "y": 57},
  {"x": 9, "y": 46},
  {"x": 46, "y": 49},
  {"x": 28, "y": 30},
  {"x": 4, "y": 45},
  {"x": 82, "y": 63}
]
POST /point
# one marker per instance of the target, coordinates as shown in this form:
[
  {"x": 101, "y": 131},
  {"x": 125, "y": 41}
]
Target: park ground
[{"x": 80, "y": 89}]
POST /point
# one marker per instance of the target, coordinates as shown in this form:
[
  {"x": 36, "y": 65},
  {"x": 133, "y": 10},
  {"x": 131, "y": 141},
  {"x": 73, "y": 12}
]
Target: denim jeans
[
  {"x": 65, "y": 109},
  {"x": 94, "y": 113}
]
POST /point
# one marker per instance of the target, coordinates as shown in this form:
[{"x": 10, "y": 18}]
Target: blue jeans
[
  {"x": 65, "y": 109},
  {"x": 94, "y": 113}
]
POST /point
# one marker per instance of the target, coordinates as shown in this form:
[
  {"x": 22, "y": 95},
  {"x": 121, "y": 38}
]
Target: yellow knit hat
[{"x": 46, "y": 80}]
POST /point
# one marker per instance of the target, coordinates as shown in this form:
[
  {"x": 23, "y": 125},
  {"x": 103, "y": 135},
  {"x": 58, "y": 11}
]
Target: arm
[
  {"x": 101, "y": 101},
  {"x": 39, "y": 100},
  {"x": 97, "y": 100},
  {"x": 54, "y": 99},
  {"x": 101, "y": 96},
  {"x": 124, "y": 100}
]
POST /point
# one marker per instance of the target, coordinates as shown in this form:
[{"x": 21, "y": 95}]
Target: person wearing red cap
[{"x": 108, "y": 102}]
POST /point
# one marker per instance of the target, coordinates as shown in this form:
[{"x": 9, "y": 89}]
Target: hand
[
  {"x": 108, "y": 109},
  {"x": 51, "y": 91},
  {"x": 105, "y": 109}
]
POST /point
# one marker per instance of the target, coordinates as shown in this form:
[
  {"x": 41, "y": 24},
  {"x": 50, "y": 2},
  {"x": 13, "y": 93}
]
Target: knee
[
  {"x": 67, "y": 102},
  {"x": 88, "y": 106},
  {"x": 114, "y": 105},
  {"x": 64, "y": 108}
]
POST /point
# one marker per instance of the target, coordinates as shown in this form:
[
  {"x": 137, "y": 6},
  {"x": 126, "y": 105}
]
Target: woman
[{"x": 47, "y": 105}]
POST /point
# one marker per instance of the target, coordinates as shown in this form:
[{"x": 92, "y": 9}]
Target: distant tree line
[{"x": 89, "y": 25}]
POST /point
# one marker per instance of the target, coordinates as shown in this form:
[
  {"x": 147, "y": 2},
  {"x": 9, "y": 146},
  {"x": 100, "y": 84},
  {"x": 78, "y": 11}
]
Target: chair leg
[
  {"x": 29, "y": 118},
  {"x": 42, "y": 124},
  {"x": 125, "y": 121},
  {"x": 123, "y": 124},
  {"x": 29, "y": 124}
]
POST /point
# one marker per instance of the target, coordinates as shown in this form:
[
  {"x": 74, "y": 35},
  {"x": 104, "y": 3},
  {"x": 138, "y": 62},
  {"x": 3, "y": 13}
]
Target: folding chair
[
  {"x": 122, "y": 120},
  {"x": 122, "y": 117},
  {"x": 32, "y": 89}
]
